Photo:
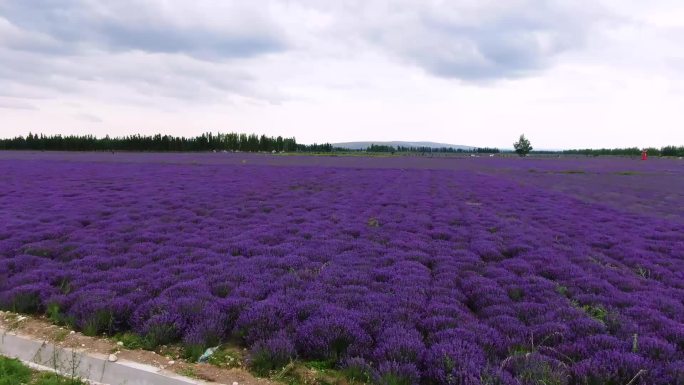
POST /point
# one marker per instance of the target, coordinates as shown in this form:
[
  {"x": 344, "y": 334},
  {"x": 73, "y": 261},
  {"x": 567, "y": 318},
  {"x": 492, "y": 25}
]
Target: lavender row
[{"x": 431, "y": 275}]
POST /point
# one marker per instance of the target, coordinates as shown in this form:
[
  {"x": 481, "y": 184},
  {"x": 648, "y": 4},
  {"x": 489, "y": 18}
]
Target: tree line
[
  {"x": 392, "y": 149},
  {"x": 630, "y": 151},
  {"x": 262, "y": 143},
  {"x": 204, "y": 142}
]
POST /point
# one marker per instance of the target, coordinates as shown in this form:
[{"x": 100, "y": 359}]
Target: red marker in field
[{"x": 644, "y": 155}]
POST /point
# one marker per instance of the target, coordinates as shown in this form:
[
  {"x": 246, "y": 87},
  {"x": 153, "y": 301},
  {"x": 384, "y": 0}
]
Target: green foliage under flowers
[
  {"x": 596, "y": 312},
  {"x": 192, "y": 352},
  {"x": 159, "y": 335},
  {"x": 543, "y": 374},
  {"x": 131, "y": 341},
  {"x": 100, "y": 322},
  {"x": 357, "y": 374},
  {"x": 28, "y": 303},
  {"x": 394, "y": 379},
  {"x": 262, "y": 363},
  {"x": 55, "y": 315}
]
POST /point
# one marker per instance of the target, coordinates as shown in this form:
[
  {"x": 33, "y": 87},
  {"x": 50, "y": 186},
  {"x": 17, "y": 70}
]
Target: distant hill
[{"x": 364, "y": 145}]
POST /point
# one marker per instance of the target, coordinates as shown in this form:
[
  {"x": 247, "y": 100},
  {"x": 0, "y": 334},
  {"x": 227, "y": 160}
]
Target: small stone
[
  {"x": 83, "y": 345},
  {"x": 235, "y": 383},
  {"x": 172, "y": 362},
  {"x": 120, "y": 343},
  {"x": 112, "y": 358},
  {"x": 72, "y": 332}
]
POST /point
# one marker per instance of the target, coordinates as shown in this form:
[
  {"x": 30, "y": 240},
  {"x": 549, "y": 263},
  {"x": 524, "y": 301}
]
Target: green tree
[{"x": 522, "y": 146}]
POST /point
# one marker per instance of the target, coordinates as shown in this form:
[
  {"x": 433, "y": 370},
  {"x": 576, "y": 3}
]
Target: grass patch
[
  {"x": 520, "y": 349},
  {"x": 188, "y": 372},
  {"x": 320, "y": 365},
  {"x": 58, "y": 318},
  {"x": 562, "y": 290},
  {"x": 193, "y": 352},
  {"x": 312, "y": 373},
  {"x": 55, "y": 379},
  {"x": 13, "y": 372},
  {"x": 130, "y": 341},
  {"x": 61, "y": 335},
  {"x": 133, "y": 341},
  {"x": 596, "y": 312},
  {"x": 227, "y": 357}
]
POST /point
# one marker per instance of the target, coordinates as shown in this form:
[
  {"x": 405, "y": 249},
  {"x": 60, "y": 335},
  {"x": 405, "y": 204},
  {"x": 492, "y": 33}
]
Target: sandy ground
[{"x": 42, "y": 329}]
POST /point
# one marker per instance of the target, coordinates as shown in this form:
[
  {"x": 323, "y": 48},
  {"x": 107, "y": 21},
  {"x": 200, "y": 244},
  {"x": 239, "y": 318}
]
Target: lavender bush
[{"x": 400, "y": 270}]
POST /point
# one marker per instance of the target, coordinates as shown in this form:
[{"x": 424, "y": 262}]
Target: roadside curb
[{"x": 43, "y": 355}]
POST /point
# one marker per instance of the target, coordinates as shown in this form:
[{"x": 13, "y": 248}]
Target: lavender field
[{"x": 407, "y": 269}]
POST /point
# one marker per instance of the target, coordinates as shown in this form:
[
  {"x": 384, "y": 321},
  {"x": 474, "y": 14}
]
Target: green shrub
[
  {"x": 55, "y": 315},
  {"x": 131, "y": 340},
  {"x": 192, "y": 352}
]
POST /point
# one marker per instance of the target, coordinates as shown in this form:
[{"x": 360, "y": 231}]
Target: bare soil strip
[{"x": 38, "y": 341}]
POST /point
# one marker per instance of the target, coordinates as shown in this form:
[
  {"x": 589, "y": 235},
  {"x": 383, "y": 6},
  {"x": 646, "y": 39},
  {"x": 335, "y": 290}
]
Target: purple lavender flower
[{"x": 399, "y": 269}]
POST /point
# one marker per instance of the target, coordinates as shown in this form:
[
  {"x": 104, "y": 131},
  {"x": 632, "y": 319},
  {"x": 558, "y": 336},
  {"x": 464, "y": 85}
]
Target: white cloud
[
  {"x": 567, "y": 73},
  {"x": 15, "y": 104}
]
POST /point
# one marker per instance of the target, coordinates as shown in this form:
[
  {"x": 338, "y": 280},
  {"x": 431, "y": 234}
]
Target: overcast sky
[{"x": 568, "y": 74}]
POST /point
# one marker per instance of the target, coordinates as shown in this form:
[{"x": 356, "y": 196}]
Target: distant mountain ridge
[{"x": 364, "y": 145}]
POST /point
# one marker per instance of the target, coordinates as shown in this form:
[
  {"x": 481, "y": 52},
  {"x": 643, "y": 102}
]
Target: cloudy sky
[{"x": 568, "y": 74}]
